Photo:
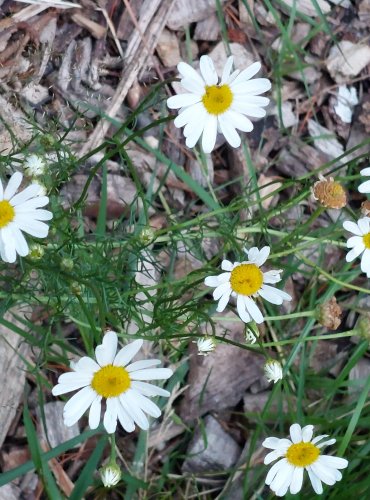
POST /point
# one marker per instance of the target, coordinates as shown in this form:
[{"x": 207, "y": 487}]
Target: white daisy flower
[
  {"x": 245, "y": 280},
  {"x": 365, "y": 186},
  {"x": 205, "y": 345},
  {"x": 360, "y": 243},
  {"x": 110, "y": 475},
  {"x": 213, "y": 106},
  {"x": 273, "y": 371},
  {"x": 297, "y": 454},
  {"x": 34, "y": 166},
  {"x": 119, "y": 383},
  {"x": 21, "y": 212}
]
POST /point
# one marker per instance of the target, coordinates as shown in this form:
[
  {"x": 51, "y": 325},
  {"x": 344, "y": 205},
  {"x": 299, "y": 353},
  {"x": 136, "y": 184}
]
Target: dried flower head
[
  {"x": 330, "y": 193},
  {"x": 329, "y": 314},
  {"x": 365, "y": 208},
  {"x": 205, "y": 345}
]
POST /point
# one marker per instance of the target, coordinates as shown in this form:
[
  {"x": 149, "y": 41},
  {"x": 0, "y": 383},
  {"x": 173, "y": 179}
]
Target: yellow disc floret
[
  {"x": 7, "y": 213},
  {"x": 111, "y": 381},
  {"x": 217, "y": 99},
  {"x": 246, "y": 279},
  {"x": 366, "y": 240},
  {"x": 302, "y": 454}
]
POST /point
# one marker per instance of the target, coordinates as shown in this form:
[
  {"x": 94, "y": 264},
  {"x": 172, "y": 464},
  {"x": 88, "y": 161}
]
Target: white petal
[
  {"x": 297, "y": 480},
  {"x": 325, "y": 474},
  {"x": 263, "y": 256},
  {"x": 363, "y": 224},
  {"x": 226, "y": 265},
  {"x": 211, "y": 281},
  {"x": 73, "y": 378},
  {"x": 65, "y": 388},
  {"x": 32, "y": 227},
  {"x": 221, "y": 290},
  {"x": 144, "y": 363},
  {"x": 229, "y": 132},
  {"x": 77, "y": 405},
  {"x": 94, "y": 414},
  {"x": 149, "y": 389},
  {"x": 208, "y": 70},
  {"x": 87, "y": 365},
  {"x": 241, "y": 308},
  {"x": 182, "y": 100},
  {"x": 209, "y": 133},
  {"x": 125, "y": 355},
  {"x": 106, "y": 351},
  {"x": 13, "y": 185},
  {"x": 111, "y": 414},
  {"x": 188, "y": 72},
  {"x": 364, "y": 187},
  {"x": 275, "y": 469},
  {"x": 275, "y": 443},
  {"x": 248, "y": 109},
  {"x": 253, "y": 310},
  {"x": 20, "y": 242},
  {"x": 282, "y": 480},
  {"x": 146, "y": 404},
  {"x": 238, "y": 121},
  {"x": 227, "y": 70},
  {"x": 223, "y": 301},
  {"x": 274, "y": 295},
  {"x": 152, "y": 374},
  {"x": 125, "y": 420},
  {"x": 334, "y": 462},
  {"x": 272, "y": 276},
  {"x": 272, "y": 456},
  {"x": 253, "y": 254},
  {"x": 193, "y": 86},
  {"x": 194, "y": 129},
  {"x": 247, "y": 73},
  {"x": 34, "y": 203},
  {"x": 1, "y": 191},
  {"x": 365, "y": 261},
  {"x": 352, "y": 227},
  {"x": 355, "y": 252},
  {"x": 30, "y": 192},
  {"x": 9, "y": 244},
  {"x": 307, "y": 432},
  {"x": 329, "y": 442},
  {"x": 129, "y": 404},
  {"x": 188, "y": 115},
  {"x": 255, "y": 86},
  {"x": 319, "y": 438},
  {"x": 295, "y": 433},
  {"x": 354, "y": 241},
  {"x": 315, "y": 481},
  {"x": 365, "y": 171}
]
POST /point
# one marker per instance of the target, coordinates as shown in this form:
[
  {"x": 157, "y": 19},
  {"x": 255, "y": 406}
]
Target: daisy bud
[
  {"x": 110, "y": 474},
  {"x": 36, "y": 252},
  {"x": 273, "y": 371},
  {"x": 250, "y": 336},
  {"x": 34, "y": 166},
  {"x": 76, "y": 288},
  {"x": 328, "y": 314},
  {"x": 363, "y": 327},
  {"x": 329, "y": 193},
  {"x": 205, "y": 345},
  {"x": 67, "y": 264},
  {"x": 147, "y": 235}
]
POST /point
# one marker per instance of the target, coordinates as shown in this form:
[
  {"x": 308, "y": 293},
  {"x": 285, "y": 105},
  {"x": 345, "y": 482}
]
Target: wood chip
[
  {"x": 347, "y": 60},
  {"x": 325, "y": 140},
  {"x": 97, "y": 30},
  {"x": 309, "y": 7},
  {"x": 185, "y": 12},
  {"x": 168, "y": 48},
  {"x": 208, "y": 29},
  {"x": 13, "y": 369}
]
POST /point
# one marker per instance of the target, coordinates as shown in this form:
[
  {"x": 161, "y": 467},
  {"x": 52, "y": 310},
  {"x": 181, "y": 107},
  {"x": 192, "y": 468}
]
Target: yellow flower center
[
  {"x": 246, "y": 279},
  {"x": 7, "y": 213},
  {"x": 302, "y": 454},
  {"x": 365, "y": 239},
  {"x": 217, "y": 99},
  {"x": 111, "y": 381}
]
